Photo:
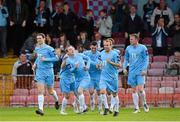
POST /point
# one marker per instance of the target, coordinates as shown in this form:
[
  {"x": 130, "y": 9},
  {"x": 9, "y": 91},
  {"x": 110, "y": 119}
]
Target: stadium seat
[
  {"x": 170, "y": 78},
  {"x": 118, "y": 34},
  {"x": 56, "y": 84},
  {"x": 158, "y": 65},
  {"x": 160, "y": 58},
  {"x": 121, "y": 91},
  {"x": 33, "y": 91},
  {"x": 147, "y": 41},
  {"x": 168, "y": 84},
  {"x": 18, "y": 100},
  {"x": 154, "y": 78},
  {"x": 166, "y": 90},
  {"x": 164, "y": 100},
  {"x": 151, "y": 99},
  {"x": 121, "y": 99},
  {"x": 156, "y": 84},
  {"x": 128, "y": 102},
  {"x": 152, "y": 90},
  {"x": 155, "y": 72},
  {"x": 119, "y": 41},
  {"x": 32, "y": 100},
  {"x": 176, "y": 100},
  {"x": 150, "y": 51},
  {"x": 22, "y": 92},
  {"x": 178, "y": 83},
  {"x": 177, "y": 90}
]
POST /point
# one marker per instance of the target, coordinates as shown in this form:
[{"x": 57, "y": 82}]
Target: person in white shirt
[{"x": 104, "y": 24}]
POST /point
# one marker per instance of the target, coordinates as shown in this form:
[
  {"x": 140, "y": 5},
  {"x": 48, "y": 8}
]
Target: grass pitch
[{"x": 28, "y": 114}]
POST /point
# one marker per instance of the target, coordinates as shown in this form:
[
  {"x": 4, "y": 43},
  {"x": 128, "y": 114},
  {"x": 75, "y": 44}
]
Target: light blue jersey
[
  {"x": 94, "y": 71},
  {"x": 44, "y": 69},
  {"x": 67, "y": 79},
  {"x": 136, "y": 57},
  {"x": 109, "y": 73},
  {"x": 82, "y": 77}
]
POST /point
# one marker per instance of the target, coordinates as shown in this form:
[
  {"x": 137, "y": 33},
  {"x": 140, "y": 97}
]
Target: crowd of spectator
[{"x": 20, "y": 20}]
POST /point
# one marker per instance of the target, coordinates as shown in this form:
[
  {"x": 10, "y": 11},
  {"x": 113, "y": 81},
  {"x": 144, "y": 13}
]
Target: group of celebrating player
[{"x": 93, "y": 71}]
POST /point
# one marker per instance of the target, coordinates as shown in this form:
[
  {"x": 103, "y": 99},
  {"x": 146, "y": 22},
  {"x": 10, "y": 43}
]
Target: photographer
[
  {"x": 104, "y": 24},
  {"x": 3, "y": 29}
]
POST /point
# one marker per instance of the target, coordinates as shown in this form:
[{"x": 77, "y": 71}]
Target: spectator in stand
[
  {"x": 175, "y": 33},
  {"x": 119, "y": 10},
  {"x": 22, "y": 67},
  {"x": 18, "y": 16},
  {"x": 49, "y": 41},
  {"x": 3, "y": 28},
  {"x": 132, "y": 24},
  {"x": 31, "y": 16},
  {"x": 63, "y": 43},
  {"x": 148, "y": 9},
  {"x": 69, "y": 24},
  {"x": 55, "y": 16},
  {"x": 29, "y": 45},
  {"x": 162, "y": 11},
  {"x": 42, "y": 21},
  {"x": 173, "y": 67},
  {"x": 159, "y": 37},
  {"x": 104, "y": 24},
  {"x": 86, "y": 23},
  {"x": 99, "y": 41},
  {"x": 84, "y": 40}
]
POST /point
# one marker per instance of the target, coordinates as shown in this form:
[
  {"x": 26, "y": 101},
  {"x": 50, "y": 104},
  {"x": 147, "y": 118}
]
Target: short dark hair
[
  {"x": 94, "y": 43},
  {"x": 104, "y": 11}
]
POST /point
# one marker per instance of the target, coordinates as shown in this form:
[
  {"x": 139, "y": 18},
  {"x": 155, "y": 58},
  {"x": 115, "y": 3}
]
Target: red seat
[
  {"x": 56, "y": 84},
  {"x": 177, "y": 90},
  {"x": 33, "y": 92},
  {"x": 176, "y": 100},
  {"x": 152, "y": 90},
  {"x": 150, "y": 51},
  {"x": 122, "y": 91},
  {"x": 119, "y": 41},
  {"x": 170, "y": 78},
  {"x": 178, "y": 83},
  {"x": 155, "y": 72},
  {"x": 118, "y": 34},
  {"x": 155, "y": 84},
  {"x": 166, "y": 90},
  {"x": 154, "y": 78},
  {"x": 32, "y": 100},
  {"x": 128, "y": 101},
  {"x": 22, "y": 92},
  {"x": 158, "y": 65},
  {"x": 147, "y": 41},
  {"x": 168, "y": 84},
  {"x": 164, "y": 100},
  {"x": 160, "y": 58},
  {"x": 151, "y": 99},
  {"x": 18, "y": 100}
]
